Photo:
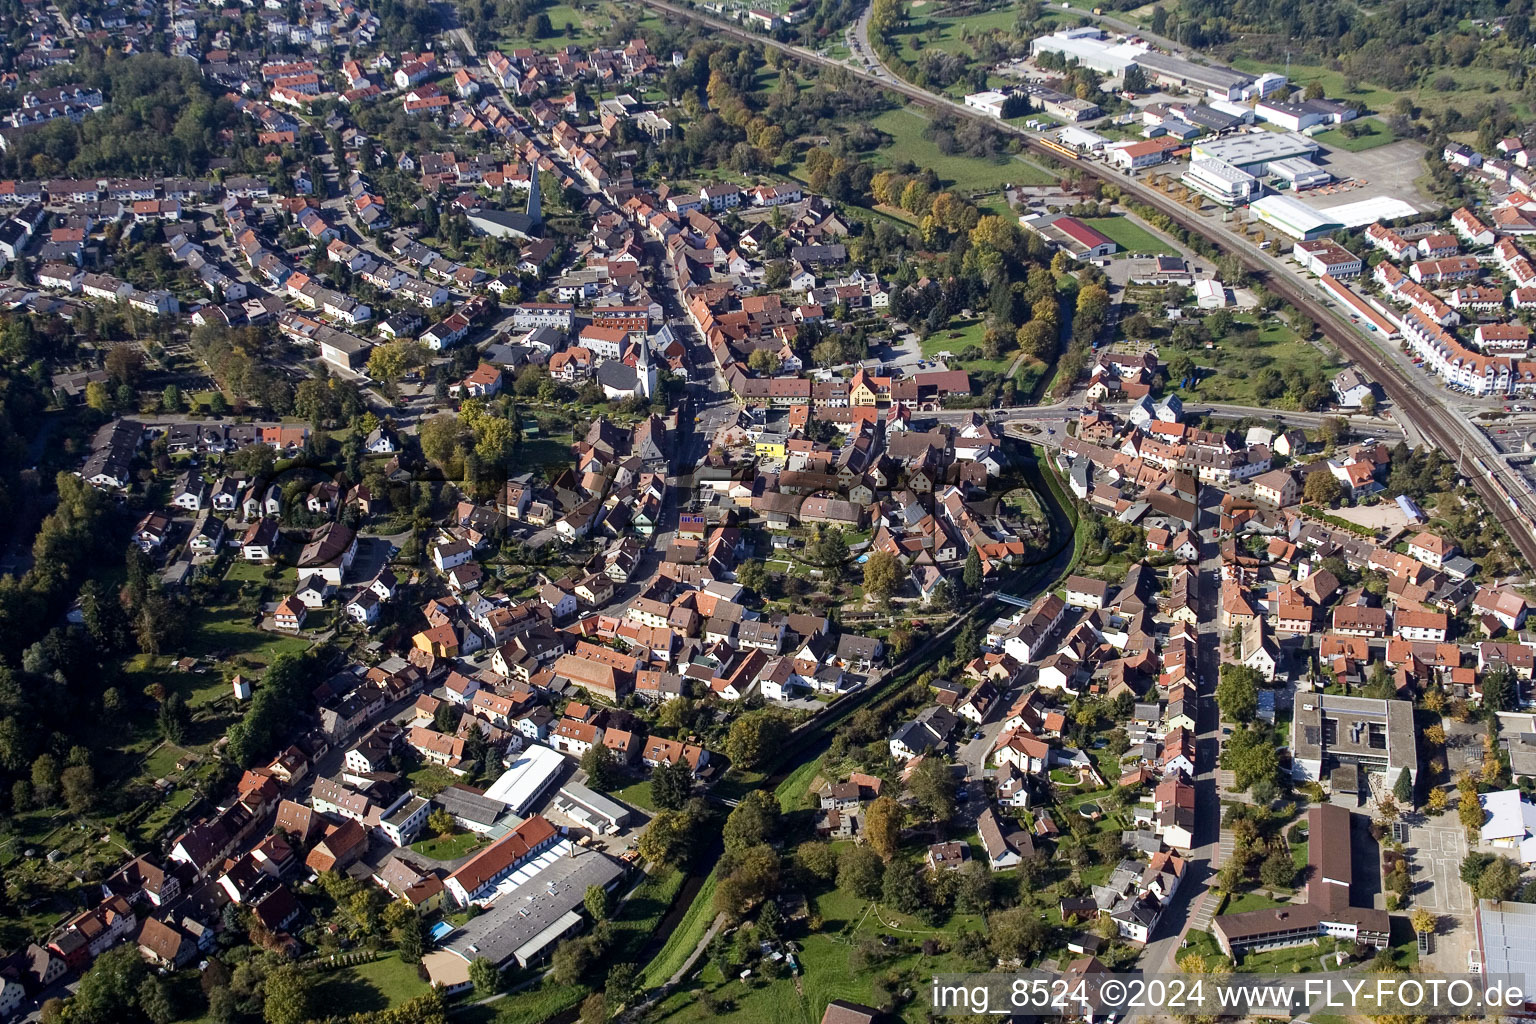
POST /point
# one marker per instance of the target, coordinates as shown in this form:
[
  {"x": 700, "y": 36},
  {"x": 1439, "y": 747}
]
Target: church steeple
[{"x": 645, "y": 370}]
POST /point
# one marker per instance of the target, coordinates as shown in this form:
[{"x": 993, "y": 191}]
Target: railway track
[{"x": 1434, "y": 421}]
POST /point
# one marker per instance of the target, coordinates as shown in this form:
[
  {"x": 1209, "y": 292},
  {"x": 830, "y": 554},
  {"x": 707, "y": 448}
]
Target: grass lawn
[
  {"x": 636, "y": 793},
  {"x": 449, "y": 847},
  {"x": 642, "y": 911},
  {"x": 1373, "y": 133},
  {"x": 372, "y": 986},
  {"x": 1236, "y": 361},
  {"x": 587, "y": 22},
  {"x": 956, "y": 338},
  {"x": 431, "y": 779},
  {"x": 1200, "y": 943},
  {"x": 905, "y": 127},
  {"x": 685, "y": 937},
  {"x": 1130, "y": 236},
  {"x": 828, "y": 975},
  {"x": 1251, "y": 901},
  {"x": 794, "y": 792},
  {"x": 1487, "y": 84},
  {"x": 535, "y": 1006},
  {"x": 545, "y": 451},
  {"x": 1305, "y": 959}
]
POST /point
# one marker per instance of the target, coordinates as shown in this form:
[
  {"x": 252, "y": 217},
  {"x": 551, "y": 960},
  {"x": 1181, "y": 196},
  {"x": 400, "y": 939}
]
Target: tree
[
  {"x": 753, "y": 574},
  {"x": 439, "y": 438},
  {"x": 764, "y": 361},
  {"x": 1499, "y": 880},
  {"x": 1016, "y": 934},
  {"x": 668, "y": 839},
  {"x": 601, "y": 767},
  {"x": 1237, "y": 694},
  {"x": 124, "y": 364},
  {"x": 111, "y": 983},
  {"x": 1424, "y": 921},
  {"x": 829, "y": 548},
  {"x": 154, "y": 998},
  {"x": 594, "y": 1008},
  {"x": 573, "y": 960},
  {"x": 815, "y": 859},
  {"x": 97, "y": 397},
  {"x": 753, "y": 821},
  {"x": 1036, "y": 339},
  {"x": 671, "y": 784},
  {"x": 1250, "y": 756},
  {"x": 170, "y": 399},
  {"x": 1436, "y": 801},
  {"x": 1322, "y": 488},
  {"x": 1498, "y": 690},
  {"x": 747, "y": 877},
  {"x": 932, "y": 785},
  {"x": 45, "y": 778},
  {"x": 485, "y": 976},
  {"x": 860, "y": 871},
  {"x": 446, "y": 718},
  {"x": 598, "y": 902},
  {"x": 393, "y": 359},
  {"x": 1403, "y": 791},
  {"x": 623, "y": 985},
  {"x": 882, "y": 575},
  {"x": 441, "y": 823},
  {"x": 754, "y": 737},
  {"x": 286, "y": 996},
  {"x": 174, "y": 718},
  {"x": 78, "y": 784},
  {"x": 1313, "y": 91},
  {"x": 971, "y": 574},
  {"x": 882, "y": 827},
  {"x": 902, "y": 889},
  {"x": 1278, "y": 870},
  {"x": 1470, "y": 811},
  {"x": 410, "y": 934}
]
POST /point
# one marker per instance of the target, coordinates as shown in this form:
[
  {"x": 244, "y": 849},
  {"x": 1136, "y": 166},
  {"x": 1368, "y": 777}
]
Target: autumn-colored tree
[
  {"x": 882, "y": 575},
  {"x": 882, "y": 827}
]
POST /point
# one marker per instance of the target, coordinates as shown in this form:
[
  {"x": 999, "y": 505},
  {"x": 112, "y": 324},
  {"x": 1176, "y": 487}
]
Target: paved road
[{"x": 1204, "y": 858}]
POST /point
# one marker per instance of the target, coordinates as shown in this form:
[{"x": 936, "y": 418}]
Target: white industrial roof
[
  {"x": 1510, "y": 818},
  {"x": 1369, "y": 211},
  {"x": 1221, "y": 170},
  {"x": 1296, "y": 166},
  {"x": 1073, "y": 136},
  {"x": 535, "y": 766},
  {"x": 1291, "y": 212}
]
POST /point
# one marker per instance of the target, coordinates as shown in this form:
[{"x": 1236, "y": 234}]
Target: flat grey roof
[
  {"x": 595, "y": 802},
  {"x": 528, "y": 911},
  {"x": 1204, "y": 74},
  {"x": 1255, "y": 147},
  {"x": 470, "y": 806},
  {"x": 1395, "y": 715}
]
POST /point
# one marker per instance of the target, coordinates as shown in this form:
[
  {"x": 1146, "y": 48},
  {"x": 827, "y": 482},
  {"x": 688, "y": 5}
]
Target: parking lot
[{"x": 1387, "y": 170}]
